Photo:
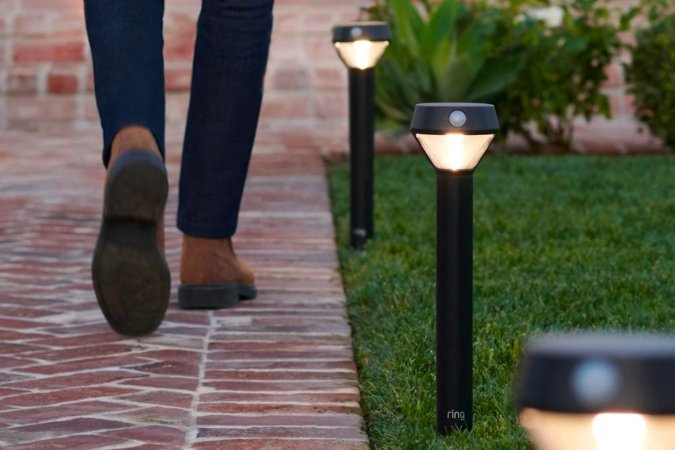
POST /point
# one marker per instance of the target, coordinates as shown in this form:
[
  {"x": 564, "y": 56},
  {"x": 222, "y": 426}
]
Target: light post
[
  {"x": 599, "y": 392},
  {"x": 454, "y": 137},
  {"x": 360, "y": 45}
]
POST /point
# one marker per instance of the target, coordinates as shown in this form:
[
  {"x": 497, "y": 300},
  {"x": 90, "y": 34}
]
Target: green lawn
[{"x": 560, "y": 243}]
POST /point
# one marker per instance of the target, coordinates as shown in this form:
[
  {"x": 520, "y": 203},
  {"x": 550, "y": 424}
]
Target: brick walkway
[{"x": 275, "y": 373}]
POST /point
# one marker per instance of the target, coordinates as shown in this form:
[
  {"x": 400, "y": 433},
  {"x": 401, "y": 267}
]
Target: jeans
[{"x": 231, "y": 50}]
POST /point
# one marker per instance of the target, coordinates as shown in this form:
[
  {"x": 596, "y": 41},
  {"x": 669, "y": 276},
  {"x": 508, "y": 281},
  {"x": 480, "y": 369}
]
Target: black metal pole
[
  {"x": 454, "y": 303},
  {"x": 361, "y": 129}
]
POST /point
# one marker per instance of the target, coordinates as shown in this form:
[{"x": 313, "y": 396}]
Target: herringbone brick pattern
[{"x": 274, "y": 373}]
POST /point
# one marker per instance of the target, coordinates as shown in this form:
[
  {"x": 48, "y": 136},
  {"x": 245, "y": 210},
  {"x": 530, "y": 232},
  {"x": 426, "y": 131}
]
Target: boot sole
[
  {"x": 129, "y": 271},
  {"x": 214, "y": 296}
]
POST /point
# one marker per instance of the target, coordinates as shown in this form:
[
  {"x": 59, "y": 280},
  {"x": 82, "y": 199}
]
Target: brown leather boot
[
  {"x": 212, "y": 276},
  {"x": 130, "y": 274}
]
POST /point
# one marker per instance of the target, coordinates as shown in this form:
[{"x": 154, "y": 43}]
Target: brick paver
[{"x": 274, "y": 373}]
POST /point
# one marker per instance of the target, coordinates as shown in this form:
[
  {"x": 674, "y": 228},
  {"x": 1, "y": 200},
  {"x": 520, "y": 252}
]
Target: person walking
[{"x": 129, "y": 271}]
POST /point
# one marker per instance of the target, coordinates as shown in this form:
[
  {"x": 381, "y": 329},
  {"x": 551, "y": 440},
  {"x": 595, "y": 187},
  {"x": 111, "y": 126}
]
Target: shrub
[
  {"x": 652, "y": 77},
  {"x": 540, "y": 78},
  {"x": 440, "y": 51},
  {"x": 564, "y": 73}
]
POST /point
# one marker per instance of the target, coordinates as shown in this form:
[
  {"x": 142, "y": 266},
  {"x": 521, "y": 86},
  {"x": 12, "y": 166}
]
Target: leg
[
  {"x": 130, "y": 275},
  {"x": 231, "y": 51},
  {"x": 126, "y": 43},
  {"x": 233, "y": 40}
]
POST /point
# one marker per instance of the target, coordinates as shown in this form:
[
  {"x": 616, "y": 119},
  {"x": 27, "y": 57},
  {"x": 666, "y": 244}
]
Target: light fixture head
[
  {"x": 599, "y": 392},
  {"x": 361, "y": 44},
  {"x": 454, "y": 136}
]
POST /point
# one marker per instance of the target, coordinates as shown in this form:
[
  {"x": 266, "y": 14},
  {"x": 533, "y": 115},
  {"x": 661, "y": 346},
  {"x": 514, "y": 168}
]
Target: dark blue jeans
[{"x": 231, "y": 50}]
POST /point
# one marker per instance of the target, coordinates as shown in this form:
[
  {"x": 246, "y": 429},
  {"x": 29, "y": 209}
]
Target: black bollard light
[
  {"x": 454, "y": 137},
  {"x": 599, "y": 392},
  {"x": 360, "y": 45}
]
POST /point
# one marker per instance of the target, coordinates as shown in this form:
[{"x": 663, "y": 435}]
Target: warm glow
[
  {"x": 361, "y": 54},
  {"x": 455, "y": 151},
  {"x": 619, "y": 431},
  {"x": 606, "y": 431}
]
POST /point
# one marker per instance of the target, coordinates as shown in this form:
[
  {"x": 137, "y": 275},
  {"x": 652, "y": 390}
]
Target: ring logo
[{"x": 452, "y": 414}]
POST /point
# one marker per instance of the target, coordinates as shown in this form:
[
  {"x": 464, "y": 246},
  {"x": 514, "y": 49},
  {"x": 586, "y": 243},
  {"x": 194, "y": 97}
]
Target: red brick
[
  {"x": 32, "y": 24},
  {"x": 178, "y": 79},
  {"x": 251, "y": 375},
  {"x": 162, "y": 398},
  {"x": 329, "y": 432},
  {"x": 68, "y": 26},
  {"x": 8, "y": 392},
  {"x": 76, "y": 341},
  {"x": 83, "y": 364},
  {"x": 69, "y": 51},
  {"x": 291, "y": 76},
  {"x": 88, "y": 352},
  {"x": 317, "y": 397},
  {"x": 151, "y": 433},
  {"x": 17, "y": 323},
  {"x": 176, "y": 383},
  {"x": 320, "y": 49},
  {"x": 153, "y": 447},
  {"x": 22, "y": 81},
  {"x": 80, "y": 379},
  {"x": 81, "y": 442},
  {"x": 169, "y": 367},
  {"x": 276, "y": 408},
  {"x": 89, "y": 108},
  {"x": 282, "y": 444},
  {"x": 27, "y": 416},
  {"x": 330, "y": 77},
  {"x": 186, "y": 356},
  {"x": 331, "y": 105},
  {"x": 58, "y": 83},
  {"x": 32, "y": 112},
  {"x": 317, "y": 420},
  {"x": 178, "y": 50},
  {"x": 157, "y": 416},
  {"x": 71, "y": 426},
  {"x": 89, "y": 83},
  {"x": 291, "y": 106},
  {"x": 66, "y": 395}
]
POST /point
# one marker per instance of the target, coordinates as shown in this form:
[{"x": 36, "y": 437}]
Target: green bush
[
  {"x": 652, "y": 77},
  {"x": 440, "y": 51},
  {"x": 540, "y": 78},
  {"x": 564, "y": 73}
]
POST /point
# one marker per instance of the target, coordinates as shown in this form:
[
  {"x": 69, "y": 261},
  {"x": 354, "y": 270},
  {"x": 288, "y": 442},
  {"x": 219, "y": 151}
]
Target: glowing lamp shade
[
  {"x": 361, "y": 44},
  {"x": 454, "y": 136},
  {"x": 599, "y": 392},
  {"x": 454, "y": 151},
  {"x": 361, "y": 54}
]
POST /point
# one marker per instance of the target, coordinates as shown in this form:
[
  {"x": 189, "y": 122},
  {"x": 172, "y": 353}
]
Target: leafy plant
[
  {"x": 439, "y": 51},
  {"x": 652, "y": 77},
  {"x": 564, "y": 73},
  {"x": 541, "y": 78}
]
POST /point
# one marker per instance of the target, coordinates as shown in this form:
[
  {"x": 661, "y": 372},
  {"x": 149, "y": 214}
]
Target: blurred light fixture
[{"x": 599, "y": 392}]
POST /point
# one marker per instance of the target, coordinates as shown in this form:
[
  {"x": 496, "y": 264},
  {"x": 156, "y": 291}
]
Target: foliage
[
  {"x": 440, "y": 51},
  {"x": 537, "y": 76},
  {"x": 564, "y": 73},
  {"x": 560, "y": 243},
  {"x": 652, "y": 77}
]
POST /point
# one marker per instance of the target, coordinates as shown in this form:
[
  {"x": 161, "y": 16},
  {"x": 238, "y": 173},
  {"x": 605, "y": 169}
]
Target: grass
[{"x": 560, "y": 243}]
